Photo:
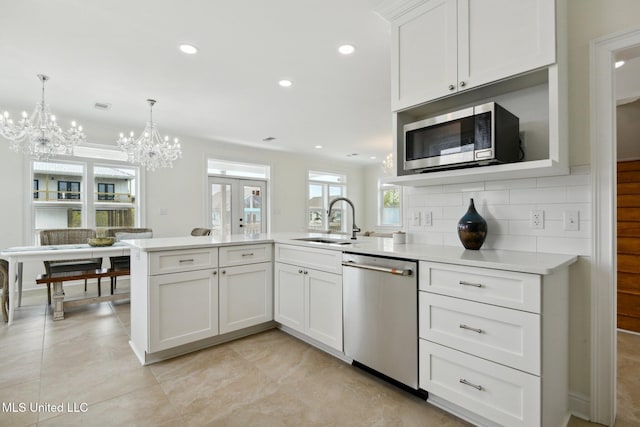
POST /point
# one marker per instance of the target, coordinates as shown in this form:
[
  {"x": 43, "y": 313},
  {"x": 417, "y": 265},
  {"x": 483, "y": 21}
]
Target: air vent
[
  {"x": 102, "y": 106},
  {"x": 269, "y": 138}
]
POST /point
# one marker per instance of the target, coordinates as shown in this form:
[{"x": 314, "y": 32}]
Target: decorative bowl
[{"x": 101, "y": 241}]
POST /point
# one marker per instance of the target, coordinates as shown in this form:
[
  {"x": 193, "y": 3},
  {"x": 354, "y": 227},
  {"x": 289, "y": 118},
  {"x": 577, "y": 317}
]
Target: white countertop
[{"x": 528, "y": 262}]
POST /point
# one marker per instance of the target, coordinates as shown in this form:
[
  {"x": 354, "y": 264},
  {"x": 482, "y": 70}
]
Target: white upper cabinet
[{"x": 442, "y": 47}]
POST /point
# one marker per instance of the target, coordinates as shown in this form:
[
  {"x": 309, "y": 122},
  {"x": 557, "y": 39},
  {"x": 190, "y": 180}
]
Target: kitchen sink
[{"x": 326, "y": 240}]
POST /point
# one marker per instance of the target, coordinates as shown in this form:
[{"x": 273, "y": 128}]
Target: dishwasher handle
[{"x": 390, "y": 270}]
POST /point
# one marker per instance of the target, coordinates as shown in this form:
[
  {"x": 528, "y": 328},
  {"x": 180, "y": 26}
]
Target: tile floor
[{"x": 271, "y": 379}]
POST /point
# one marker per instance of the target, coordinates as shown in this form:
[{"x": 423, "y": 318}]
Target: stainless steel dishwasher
[{"x": 380, "y": 309}]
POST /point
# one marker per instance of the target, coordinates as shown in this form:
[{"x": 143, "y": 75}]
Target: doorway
[
  {"x": 237, "y": 206},
  {"x": 603, "y": 273}
]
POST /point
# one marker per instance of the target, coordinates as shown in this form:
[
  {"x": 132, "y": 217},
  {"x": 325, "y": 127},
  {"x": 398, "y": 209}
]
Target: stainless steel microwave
[{"x": 475, "y": 136}]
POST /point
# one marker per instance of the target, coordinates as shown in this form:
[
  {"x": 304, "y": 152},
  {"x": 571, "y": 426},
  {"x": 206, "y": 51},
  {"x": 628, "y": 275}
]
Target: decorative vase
[{"x": 472, "y": 228}]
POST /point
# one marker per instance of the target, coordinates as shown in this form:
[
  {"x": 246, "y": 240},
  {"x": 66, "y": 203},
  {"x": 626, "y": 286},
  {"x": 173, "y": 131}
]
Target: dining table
[{"x": 18, "y": 255}]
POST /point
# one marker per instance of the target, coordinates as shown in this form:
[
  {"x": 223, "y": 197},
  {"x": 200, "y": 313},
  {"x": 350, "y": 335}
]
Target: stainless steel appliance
[
  {"x": 474, "y": 136},
  {"x": 380, "y": 300}
]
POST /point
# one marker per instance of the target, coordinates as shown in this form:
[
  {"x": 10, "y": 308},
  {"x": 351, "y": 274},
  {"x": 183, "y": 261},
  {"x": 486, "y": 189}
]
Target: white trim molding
[{"x": 603, "y": 270}]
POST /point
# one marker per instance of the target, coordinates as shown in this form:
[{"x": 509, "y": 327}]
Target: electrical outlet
[
  {"x": 536, "y": 220},
  {"x": 416, "y": 220},
  {"x": 571, "y": 220},
  {"x": 427, "y": 218}
]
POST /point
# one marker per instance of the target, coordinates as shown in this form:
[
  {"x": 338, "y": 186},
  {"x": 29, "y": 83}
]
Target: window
[
  {"x": 390, "y": 202},
  {"x": 106, "y": 191},
  {"x": 69, "y": 190},
  {"x": 60, "y": 190},
  {"x": 324, "y": 187}
]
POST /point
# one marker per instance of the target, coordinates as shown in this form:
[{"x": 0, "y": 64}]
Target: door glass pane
[
  {"x": 220, "y": 209},
  {"x": 316, "y": 205},
  {"x": 252, "y": 209}
]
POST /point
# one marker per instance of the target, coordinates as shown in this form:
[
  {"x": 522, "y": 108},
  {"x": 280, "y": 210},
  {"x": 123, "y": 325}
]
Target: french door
[{"x": 237, "y": 206}]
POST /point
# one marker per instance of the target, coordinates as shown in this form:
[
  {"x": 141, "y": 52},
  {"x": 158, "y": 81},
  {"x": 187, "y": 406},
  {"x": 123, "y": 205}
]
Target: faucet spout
[{"x": 354, "y": 227}]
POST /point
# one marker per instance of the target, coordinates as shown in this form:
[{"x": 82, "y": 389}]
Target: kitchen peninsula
[{"x": 191, "y": 293}]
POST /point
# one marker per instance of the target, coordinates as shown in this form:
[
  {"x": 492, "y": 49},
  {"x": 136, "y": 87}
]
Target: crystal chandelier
[
  {"x": 39, "y": 134},
  {"x": 150, "y": 150},
  {"x": 387, "y": 164}
]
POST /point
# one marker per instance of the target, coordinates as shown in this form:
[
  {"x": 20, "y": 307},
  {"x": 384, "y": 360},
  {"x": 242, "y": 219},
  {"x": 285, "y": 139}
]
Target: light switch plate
[{"x": 571, "y": 220}]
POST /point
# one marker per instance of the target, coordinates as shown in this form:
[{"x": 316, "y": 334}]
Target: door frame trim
[{"x": 603, "y": 268}]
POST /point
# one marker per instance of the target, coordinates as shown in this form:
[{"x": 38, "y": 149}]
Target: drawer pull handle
[
  {"x": 475, "y": 285},
  {"x": 249, "y": 254},
  {"x": 186, "y": 260},
  {"x": 469, "y": 328},
  {"x": 465, "y": 382}
]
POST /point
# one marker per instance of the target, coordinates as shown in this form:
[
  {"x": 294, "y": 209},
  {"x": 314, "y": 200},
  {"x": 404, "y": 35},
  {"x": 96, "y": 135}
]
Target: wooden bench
[{"x": 58, "y": 292}]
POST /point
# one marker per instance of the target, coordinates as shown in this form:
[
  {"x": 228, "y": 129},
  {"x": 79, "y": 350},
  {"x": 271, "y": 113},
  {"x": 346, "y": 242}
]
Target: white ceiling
[{"x": 122, "y": 52}]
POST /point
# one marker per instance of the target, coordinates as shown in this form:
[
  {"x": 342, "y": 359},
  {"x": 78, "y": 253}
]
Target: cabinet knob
[
  {"x": 300, "y": 271},
  {"x": 462, "y": 84},
  {"x": 452, "y": 87},
  {"x": 215, "y": 273},
  {"x": 306, "y": 272},
  {"x": 224, "y": 271}
]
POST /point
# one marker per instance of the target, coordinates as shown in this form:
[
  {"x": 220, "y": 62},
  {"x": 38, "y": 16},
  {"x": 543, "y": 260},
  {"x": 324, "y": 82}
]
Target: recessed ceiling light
[
  {"x": 373, "y": 157},
  {"x": 285, "y": 83},
  {"x": 189, "y": 49},
  {"x": 318, "y": 147},
  {"x": 619, "y": 64},
  {"x": 347, "y": 49}
]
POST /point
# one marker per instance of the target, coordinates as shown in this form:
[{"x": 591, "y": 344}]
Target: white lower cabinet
[
  {"x": 309, "y": 300},
  {"x": 246, "y": 296},
  {"x": 185, "y": 308},
  {"x": 494, "y": 342},
  {"x": 507, "y": 396}
]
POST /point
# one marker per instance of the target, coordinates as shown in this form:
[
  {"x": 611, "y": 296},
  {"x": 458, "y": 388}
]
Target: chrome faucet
[{"x": 354, "y": 228}]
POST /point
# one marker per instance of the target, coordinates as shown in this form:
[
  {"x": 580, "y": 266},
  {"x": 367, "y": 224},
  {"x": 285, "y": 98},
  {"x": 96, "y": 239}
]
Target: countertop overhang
[{"x": 527, "y": 262}]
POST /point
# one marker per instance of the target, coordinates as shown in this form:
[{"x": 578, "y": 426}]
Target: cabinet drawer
[
  {"x": 245, "y": 254},
  {"x": 183, "y": 260},
  {"x": 506, "y": 336},
  {"x": 504, "y": 288},
  {"x": 319, "y": 259},
  {"x": 506, "y": 396}
]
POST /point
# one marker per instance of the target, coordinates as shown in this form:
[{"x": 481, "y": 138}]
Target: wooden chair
[
  {"x": 69, "y": 236},
  {"x": 4, "y": 285},
  {"x": 201, "y": 232},
  {"x": 123, "y": 233}
]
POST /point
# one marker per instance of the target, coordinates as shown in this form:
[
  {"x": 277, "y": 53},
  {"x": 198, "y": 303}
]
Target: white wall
[{"x": 181, "y": 191}]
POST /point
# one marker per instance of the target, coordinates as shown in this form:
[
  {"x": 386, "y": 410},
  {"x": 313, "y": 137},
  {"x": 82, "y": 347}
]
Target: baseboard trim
[{"x": 579, "y": 405}]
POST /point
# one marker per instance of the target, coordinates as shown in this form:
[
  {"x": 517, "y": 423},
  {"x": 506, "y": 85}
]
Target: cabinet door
[
  {"x": 289, "y": 296},
  {"x": 323, "y": 307},
  {"x": 424, "y": 54},
  {"x": 183, "y": 308},
  {"x": 246, "y": 296},
  {"x": 501, "y": 38}
]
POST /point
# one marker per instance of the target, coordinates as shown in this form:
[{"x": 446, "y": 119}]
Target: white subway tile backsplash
[
  {"x": 581, "y": 194},
  {"x": 564, "y": 181},
  {"x": 511, "y": 243},
  {"x": 539, "y": 195},
  {"x": 465, "y": 187},
  {"x": 509, "y": 184},
  {"x": 506, "y": 206},
  {"x": 564, "y": 245}
]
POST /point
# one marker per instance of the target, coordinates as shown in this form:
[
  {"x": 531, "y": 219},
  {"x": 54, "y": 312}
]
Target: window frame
[
  {"x": 326, "y": 198},
  {"x": 88, "y": 187},
  {"x": 382, "y": 188}
]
